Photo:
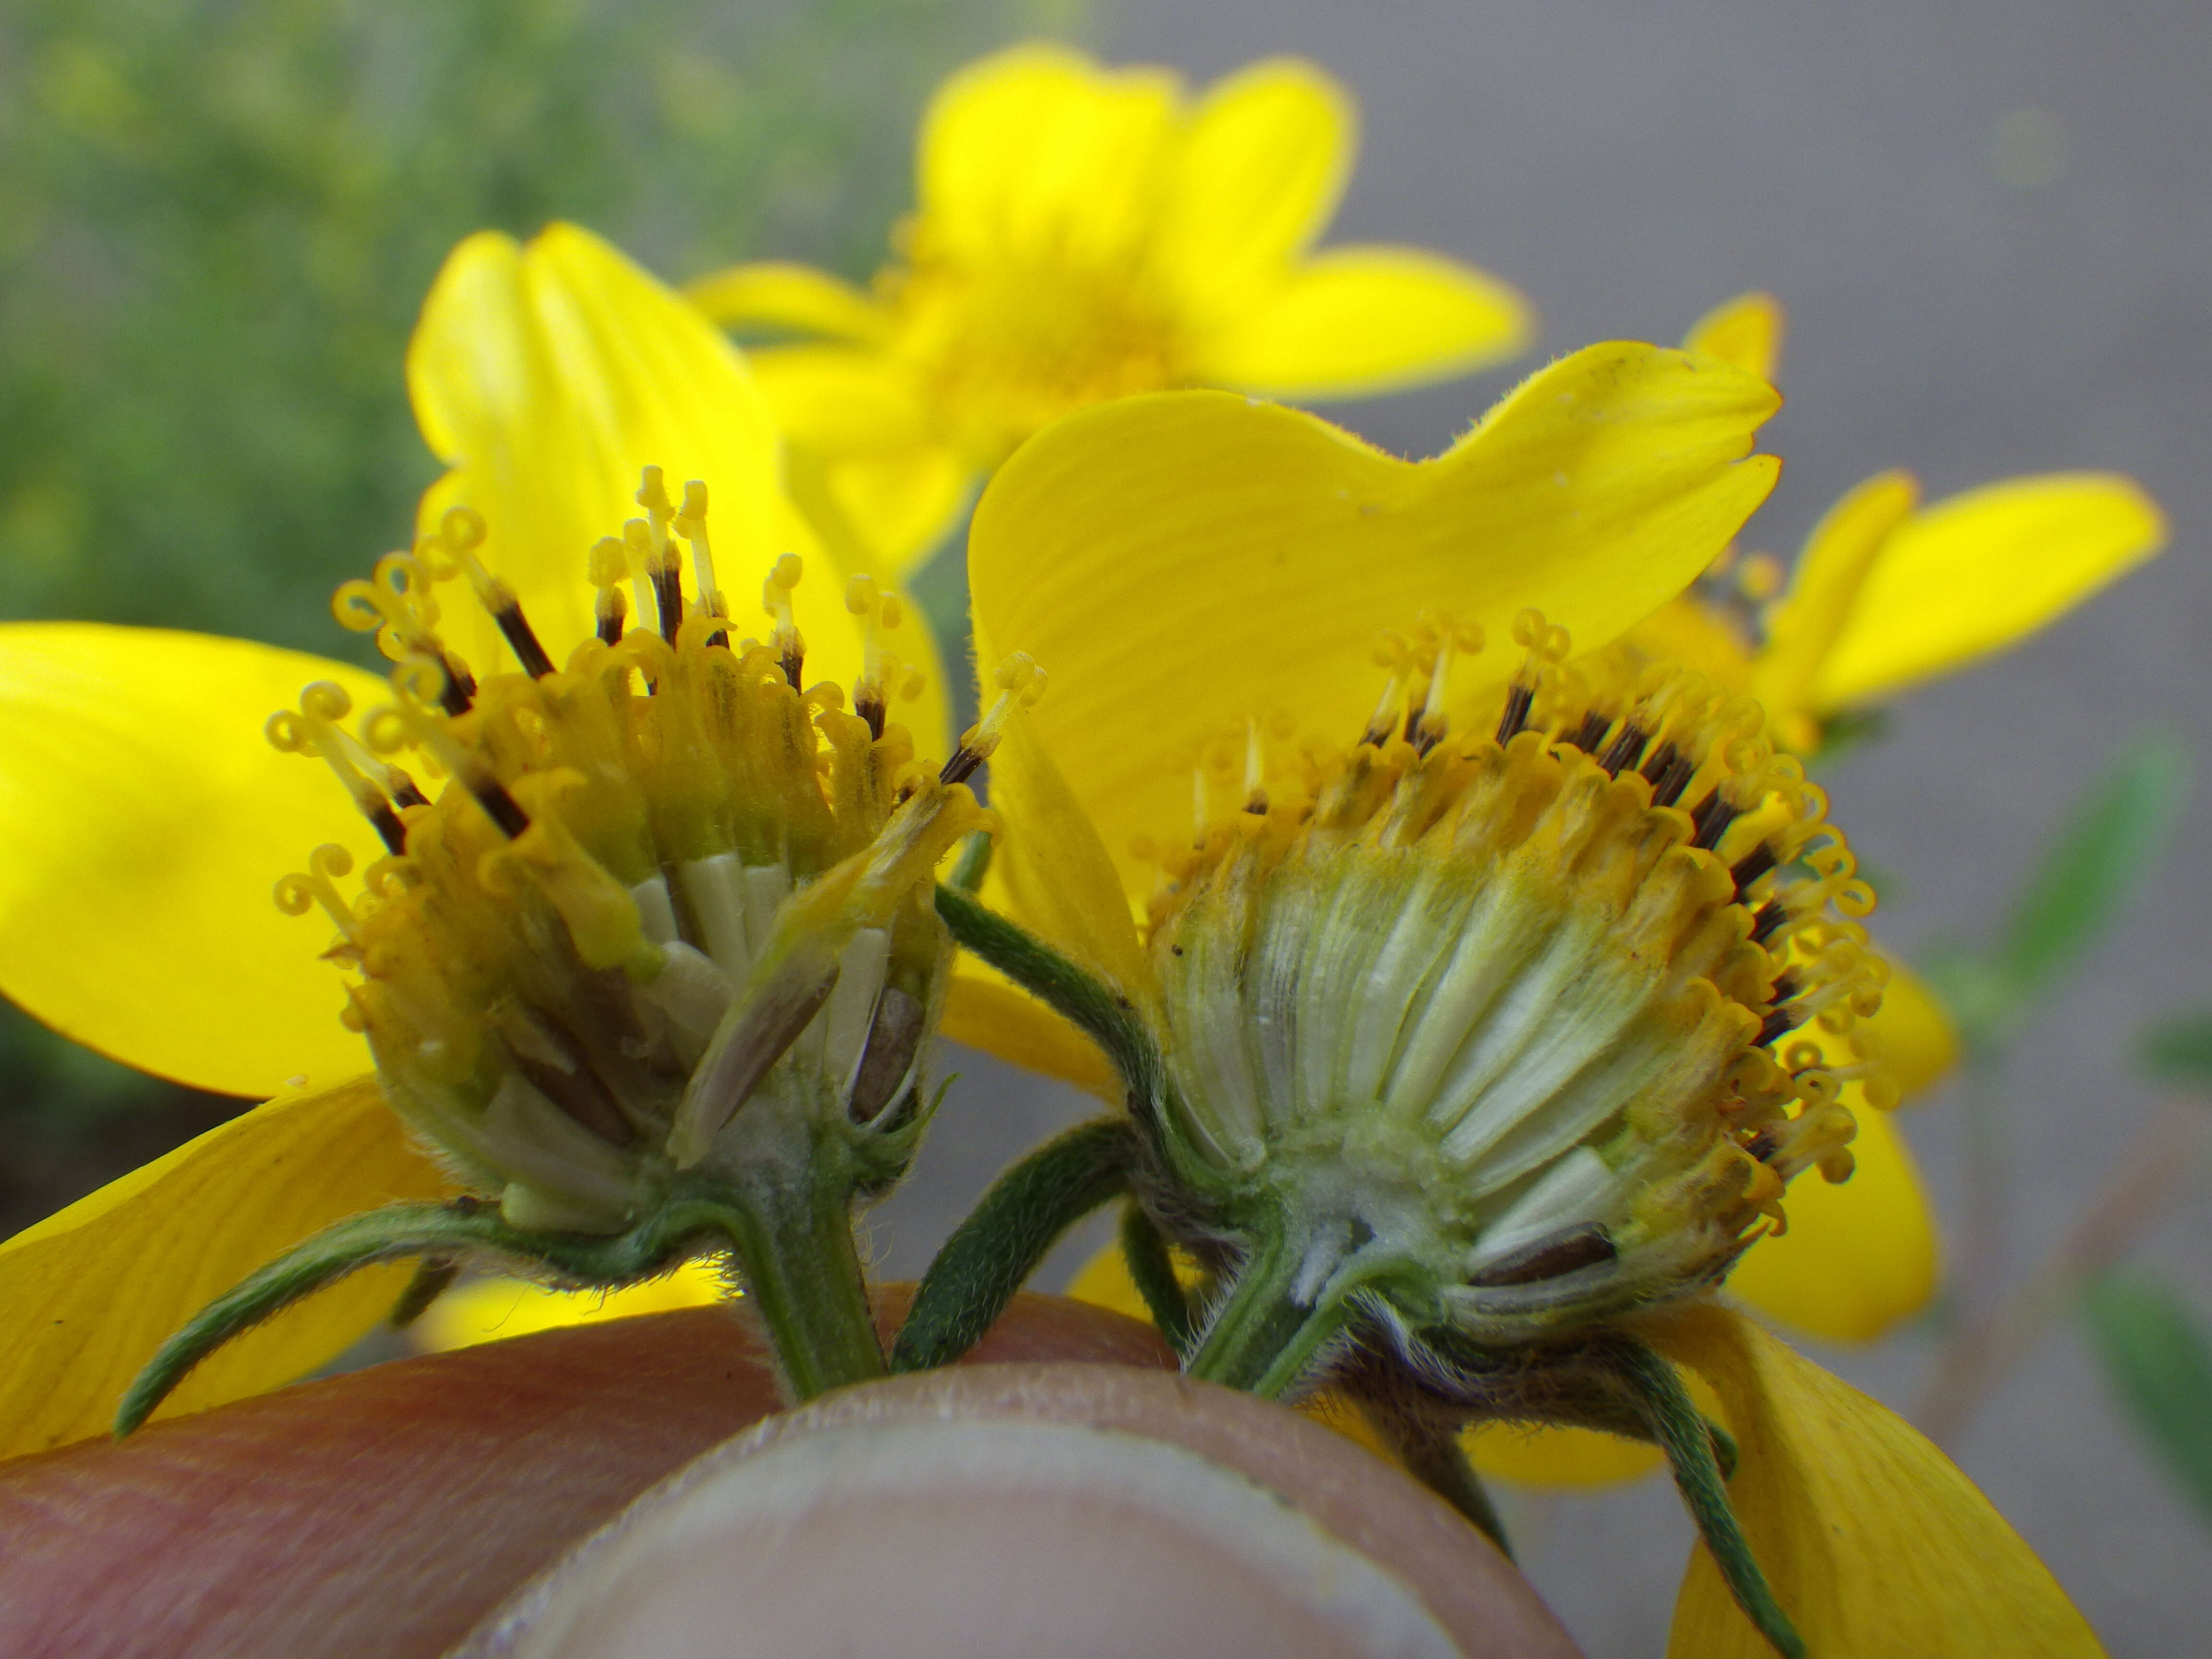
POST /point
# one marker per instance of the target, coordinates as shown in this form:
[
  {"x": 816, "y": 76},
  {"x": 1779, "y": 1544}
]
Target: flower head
[{"x": 1083, "y": 235}]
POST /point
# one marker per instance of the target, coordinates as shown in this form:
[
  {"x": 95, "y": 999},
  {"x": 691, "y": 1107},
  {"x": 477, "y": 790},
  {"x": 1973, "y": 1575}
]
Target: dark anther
[
  {"x": 460, "y": 693},
  {"x": 668, "y": 594},
  {"x": 389, "y": 828},
  {"x": 1376, "y": 734},
  {"x": 1627, "y": 748},
  {"x": 1671, "y": 779},
  {"x": 610, "y": 627},
  {"x": 962, "y": 766},
  {"x": 1256, "y": 803},
  {"x": 1777, "y": 1022},
  {"x": 794, "y": 660},
  {"x": 1519, "y": 699},
  {"x": 721, "y": 636},
  {"x": 1770, "y": 916},
  {"x": 1710, "y": 821},
  {"x": 581, "y": 1097},
  {"x": 1591, "y": 732},
  {"x": 869, "y": 706},
  {"x": 502, "y": 807},
  {"x": 520, "y": 636},
  {"x": 893, "y": 1037},
  {"x": 403, "y": 792},
  {"x": 1548, "y": 1258},
  {"x": 1764, "y": 1143},
  {"x": 1754, "y": 865}
]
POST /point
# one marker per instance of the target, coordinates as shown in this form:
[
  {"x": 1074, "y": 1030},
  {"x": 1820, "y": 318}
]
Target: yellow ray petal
[
  {"x": 1917, "y": 1041},
  {"x": 1746, "y": 332},
  {"x": 840, "y": 400},
  {"x": 1840, "y": 556},
  {"x": 1037, "y": 154},
  {"x": 1859, "y": 1257},
  {"x": 900, "y": 505},
  {"x": 146, "y": 820},
  {"x": 1050, "y": 872},
  {"x": 987, "y": 1012},
  {"x": 1355, "y": 321},
  {"x": 1874, "y": 1541},
  {"x": 777, "y": 294},
  {"x": 1559, "y": 1458},
  {"x": 1979, "y": 571},
  {"x": 547, "y": 375},
  {"x": 1684, "y": 631},
  {"x": 1181, "y": 561},
  {"x": 1260, "y": 169},
  {"x": 493, "y": 1309},
  {"x": 88, "y": 1295}
]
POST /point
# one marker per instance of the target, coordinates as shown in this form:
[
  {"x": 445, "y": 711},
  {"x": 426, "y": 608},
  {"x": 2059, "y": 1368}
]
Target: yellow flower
[
  {"x": 148, "y": 815},
  {"x": 1083, "y": 235},
  {"x": 1201, "y": 575}
]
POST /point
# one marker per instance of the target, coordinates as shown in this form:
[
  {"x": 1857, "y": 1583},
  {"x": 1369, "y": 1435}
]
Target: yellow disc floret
[
  {"x": 1498, "y": 1015},
  {"x": 668, "y": 892}
]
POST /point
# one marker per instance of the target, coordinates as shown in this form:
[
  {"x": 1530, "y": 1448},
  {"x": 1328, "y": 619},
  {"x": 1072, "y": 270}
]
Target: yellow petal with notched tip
[
  {"x": 1874, "y": 1543},
  {"x": 548, "y": 375},
  {"x": 1355, "y": 321},
  {"x": 1181, "y": 562},
  {"x": 1746, "y": 332},
  {"x": 776, "y": 293},
  {"x": 1839, "y": 556},
  {"x": 1979, "y": 571},
  {"x": 147, "y": 821},
  {"x": 985, "y": 1010},
  {"x": 1860, "y": 1257},
  {"x": 1037, "y": 154},
  {"x": 1260, "y": 168},
  {"x": 492, "y": 1310},
  {"x": 87, "y": 1296}
]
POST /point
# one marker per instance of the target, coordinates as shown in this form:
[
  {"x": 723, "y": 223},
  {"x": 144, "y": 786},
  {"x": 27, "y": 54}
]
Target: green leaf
[
  {"x": 2161, "y": 1366},
  {"x": 2110, "y": 843},
  {"x": 2179, "y": 1049}
]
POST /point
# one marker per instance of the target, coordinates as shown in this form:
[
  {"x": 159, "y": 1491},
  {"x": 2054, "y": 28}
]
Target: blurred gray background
[{"x": 1991, "y": 222}]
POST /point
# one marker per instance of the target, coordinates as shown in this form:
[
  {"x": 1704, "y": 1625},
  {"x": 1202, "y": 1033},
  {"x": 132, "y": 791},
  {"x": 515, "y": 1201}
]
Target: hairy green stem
[
  {"x": 1265, "y": 1335},
  {"x": 993, "y": 1251},
  {"x": 1152, "y": 1269}
]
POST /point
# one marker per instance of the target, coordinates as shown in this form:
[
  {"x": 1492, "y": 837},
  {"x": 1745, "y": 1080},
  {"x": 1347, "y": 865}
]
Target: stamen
[
  {"x": 878, "y": 612},
  {"x": 460, "y": 532},
  {"x": 396, "y": 605},
  {"x": 609, "y": 563},
  {"x": 790, "y": 649},
  {"x": 1627, "y": 748},
  {"x": 1256, "y": 772},
  {"x": 691, "y": 524},
  {"x": 409, "y": 722},
  {"x": 1426, "y": 730},
  {"x": 1020, "y": 683},
  {"x": 313, "y": 730},
  {"x": 297, "y": 894},
  {"x": 1394, "y": 652}
]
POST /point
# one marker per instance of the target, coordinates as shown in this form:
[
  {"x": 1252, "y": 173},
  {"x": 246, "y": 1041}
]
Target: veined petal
[
  {"x": 986, "y": 1011},
  {"x": 88, "y": 1295},
  {"x": 840, "y": 400},
  {"x": 1746, "y": 332},
  {"x": 492, "y": 1310},
  {"x": 1840, "y": 556},
  {"x": 1181, "y": 562},
  {"x": 147, "y": 820},
  {"x": 1874, "y": 1543},
  {"x": 1035, "y": 153},
  {"x": 1261, "y": 166},
  {"x": 1355, "y": 321},
  {"x": 779, "y": 294},
  {"x": 1859, "y": 1257},
  {"x": 1980, "y": 570}
]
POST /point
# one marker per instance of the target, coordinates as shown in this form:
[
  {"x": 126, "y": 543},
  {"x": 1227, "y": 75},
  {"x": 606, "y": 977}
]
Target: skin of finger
[
  {"x": 1486, "y": 1606},
  {"x": 379, "y": 1514}
]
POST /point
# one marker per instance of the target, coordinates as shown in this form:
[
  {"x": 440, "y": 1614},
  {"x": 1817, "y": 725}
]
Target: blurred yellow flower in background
[
  {"x": 1083, "y": 233},
  {"x": 147, "y": 815}
]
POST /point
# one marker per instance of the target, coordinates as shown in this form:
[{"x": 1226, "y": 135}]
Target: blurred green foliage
[
  {"x": 2159, "y": 1364},
  {"x": 218, "y": 218}
]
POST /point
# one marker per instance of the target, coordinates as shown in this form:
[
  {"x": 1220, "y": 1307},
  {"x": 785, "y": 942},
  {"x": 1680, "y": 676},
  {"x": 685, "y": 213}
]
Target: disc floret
[{"x": 1481, "y": 1032}]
